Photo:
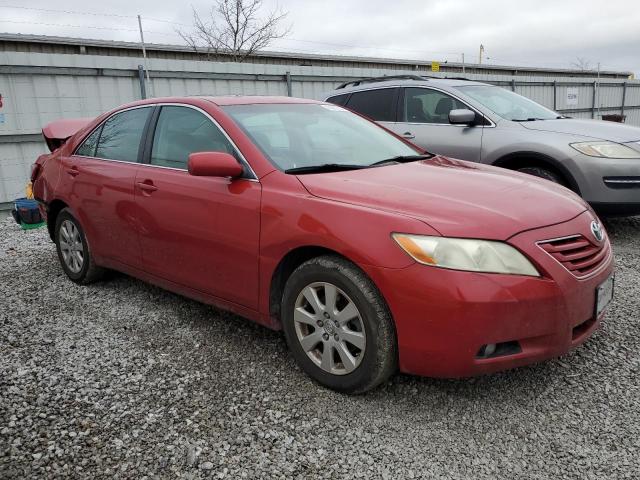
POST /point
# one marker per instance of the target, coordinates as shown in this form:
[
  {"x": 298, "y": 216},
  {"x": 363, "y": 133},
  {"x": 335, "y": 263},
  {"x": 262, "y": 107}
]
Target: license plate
[{"x": 604, "y": 295}]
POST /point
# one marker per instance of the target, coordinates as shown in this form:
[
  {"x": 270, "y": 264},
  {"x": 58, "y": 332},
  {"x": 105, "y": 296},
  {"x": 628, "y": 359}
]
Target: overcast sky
[{"x": 552, "y": 33}]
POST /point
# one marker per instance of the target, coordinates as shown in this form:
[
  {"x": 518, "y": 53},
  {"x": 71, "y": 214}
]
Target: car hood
[
  {"x": 457, "y": 198},
  {"x": 615, "y": 132}
]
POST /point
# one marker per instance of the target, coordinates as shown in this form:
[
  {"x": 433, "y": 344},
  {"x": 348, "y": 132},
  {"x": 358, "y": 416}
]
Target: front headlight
[
  {"x": 466, "y": 254},
  {"x": 605, "y": 150}
]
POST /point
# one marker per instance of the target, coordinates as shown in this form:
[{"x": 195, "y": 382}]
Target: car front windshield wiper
[
  {"x": 325, "y": 167},
  {"x": 530, "y": 119},
  {"x": 401, "y": 159}
]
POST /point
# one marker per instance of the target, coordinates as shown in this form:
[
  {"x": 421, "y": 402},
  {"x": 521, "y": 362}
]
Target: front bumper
[
  {"x": 444, "y": 317},
  {"x": 599, "y": 181}
]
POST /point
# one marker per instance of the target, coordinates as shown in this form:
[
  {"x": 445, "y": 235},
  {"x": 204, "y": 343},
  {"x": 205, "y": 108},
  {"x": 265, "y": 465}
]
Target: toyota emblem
[{"x": 597, "y": 230}]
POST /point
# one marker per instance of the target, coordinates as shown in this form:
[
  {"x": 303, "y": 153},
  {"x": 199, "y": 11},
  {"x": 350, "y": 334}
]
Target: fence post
[
  {"x": 513, "y": 84},
  {"x": 593, "y": 100},
  {"x": 624, "y": 96},
  {"x": 555, "y": 95},
  {"x": 287, "y": 77},
  {"x": 143, "y": 88}
]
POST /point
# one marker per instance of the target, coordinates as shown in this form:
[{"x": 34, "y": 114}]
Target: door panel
[
  {"x": 101, "y": 181},
  {"x": 201, "y": 232},
  {"x": 424, "y": 120}
]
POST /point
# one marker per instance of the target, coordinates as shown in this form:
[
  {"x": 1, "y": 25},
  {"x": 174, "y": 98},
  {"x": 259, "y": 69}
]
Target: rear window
[
  {"x": 121, "y": 135},
  {"x": 378, "y": 105},
  {"x": 339, "y": 99}
]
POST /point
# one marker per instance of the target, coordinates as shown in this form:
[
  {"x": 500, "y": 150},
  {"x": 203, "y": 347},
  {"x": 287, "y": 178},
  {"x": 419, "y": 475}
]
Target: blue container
[{"x": 26, "y": 211}]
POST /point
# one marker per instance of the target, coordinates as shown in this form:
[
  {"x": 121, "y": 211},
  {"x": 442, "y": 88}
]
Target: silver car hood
[{"x": 615, "y": 132}]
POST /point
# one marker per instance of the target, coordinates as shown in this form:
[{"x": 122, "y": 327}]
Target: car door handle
[
  {"x": 408, "y": 135},
  {"x": 73, "y": 171},
  {"x": 147, "y": 186}
]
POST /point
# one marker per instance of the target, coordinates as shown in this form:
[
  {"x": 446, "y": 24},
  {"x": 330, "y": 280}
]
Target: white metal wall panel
[{"x": 30, "y": 101}]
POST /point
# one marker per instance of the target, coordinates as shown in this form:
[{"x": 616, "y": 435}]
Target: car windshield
[
  {"x": 508, "y": 105},
  {"x": 297, "y": 135}
]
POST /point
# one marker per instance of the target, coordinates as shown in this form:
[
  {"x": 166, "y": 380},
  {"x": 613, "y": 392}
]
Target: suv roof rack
[{"x": 384, "y": 78}]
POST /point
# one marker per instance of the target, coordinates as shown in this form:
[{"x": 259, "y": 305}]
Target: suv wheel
[
  {"x": 73, "y": 250},
  {"x": 338, "y": 326}
]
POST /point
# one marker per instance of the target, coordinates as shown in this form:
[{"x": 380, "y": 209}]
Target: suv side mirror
[
  {"x": 214, "y": 164},
  {"x": 462, "y": 116}
]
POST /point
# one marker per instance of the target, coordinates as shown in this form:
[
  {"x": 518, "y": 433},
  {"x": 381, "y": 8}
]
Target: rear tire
[
  {"x": 344, "y": 338},
  {"x": 542, "y": 172},
  {"x": 73, "y": 250}
]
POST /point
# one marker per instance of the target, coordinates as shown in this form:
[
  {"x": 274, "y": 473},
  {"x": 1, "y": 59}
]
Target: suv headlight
[
  {"x": 466, "y": 254},
  {"x": 605, "y": 150}
]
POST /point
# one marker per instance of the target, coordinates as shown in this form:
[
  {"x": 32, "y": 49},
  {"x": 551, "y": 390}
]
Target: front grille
[{"x": 577, "y": 254}]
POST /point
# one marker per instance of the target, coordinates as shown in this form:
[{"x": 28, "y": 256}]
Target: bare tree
[
  {"x": 582, "y": 64},
  {"x": 235, "y": 28}
]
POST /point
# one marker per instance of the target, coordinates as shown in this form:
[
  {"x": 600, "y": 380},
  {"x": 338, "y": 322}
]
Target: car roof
[{"x": 254, "y": 99}]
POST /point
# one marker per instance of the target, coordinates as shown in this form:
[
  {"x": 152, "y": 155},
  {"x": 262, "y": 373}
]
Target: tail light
[{"x": 35, "y": 171}]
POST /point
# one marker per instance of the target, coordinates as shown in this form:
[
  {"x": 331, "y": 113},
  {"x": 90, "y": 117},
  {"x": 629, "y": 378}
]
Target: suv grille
[{"x": 577, "y": 254}]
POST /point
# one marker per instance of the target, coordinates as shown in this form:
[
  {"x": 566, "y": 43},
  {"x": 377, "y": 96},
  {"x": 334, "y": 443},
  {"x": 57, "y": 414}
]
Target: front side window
[
  {"x": 307, "y": 135},
  {"x": 507, "y": 104},
  {"x": 378, "y": 105},
  {"x": 121, "y": 134},
  {"x": 181, "y": 131},
  {"x": 423, "y": 105}
]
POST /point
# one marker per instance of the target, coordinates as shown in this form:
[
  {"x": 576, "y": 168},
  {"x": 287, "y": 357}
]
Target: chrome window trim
[
  {"x": 253, "y": 177},
  {"x": 100, "y": 125}
]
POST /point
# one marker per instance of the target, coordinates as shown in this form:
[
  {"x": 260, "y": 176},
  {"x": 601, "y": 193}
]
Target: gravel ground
[{"x": 124, "y": 380}]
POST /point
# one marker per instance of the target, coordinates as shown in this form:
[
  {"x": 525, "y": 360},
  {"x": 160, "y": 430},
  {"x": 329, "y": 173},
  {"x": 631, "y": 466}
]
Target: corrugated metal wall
[{"x": 37, "y": 88}]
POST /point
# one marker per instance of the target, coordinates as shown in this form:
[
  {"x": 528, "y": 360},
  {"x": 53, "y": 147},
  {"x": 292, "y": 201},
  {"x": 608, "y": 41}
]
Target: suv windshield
[
  {"x": 508, "y": 105},
  {"x": 308, "y": 135}
]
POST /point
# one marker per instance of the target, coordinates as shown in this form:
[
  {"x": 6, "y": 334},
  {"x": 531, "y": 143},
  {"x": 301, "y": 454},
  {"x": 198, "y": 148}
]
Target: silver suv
[{"x": 484, "y": 123}]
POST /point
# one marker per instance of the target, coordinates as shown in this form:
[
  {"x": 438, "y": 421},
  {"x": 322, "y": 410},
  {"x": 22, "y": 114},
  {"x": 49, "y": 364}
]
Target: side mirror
[
  {"x": 462, "y": 116},
  {"x": 214, "y": 164}
]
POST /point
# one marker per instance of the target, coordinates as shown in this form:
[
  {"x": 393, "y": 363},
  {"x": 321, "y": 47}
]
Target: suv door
[
  {"x": 424, "y": 120},
  {"x": 200, "y": 232},
  {"x": 100, "y": 177}
]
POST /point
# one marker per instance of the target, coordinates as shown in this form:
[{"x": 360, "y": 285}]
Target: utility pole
[
  {"x": 480, "y": 54},
  {"x": 463, "y": 63},
  {"x": 599, "y": 91},
  {"x": 144, "y": 54}
]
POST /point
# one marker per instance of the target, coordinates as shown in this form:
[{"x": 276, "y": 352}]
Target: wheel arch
[
  {"x": 53, "y": 210},
  {"x": 514, "y": 160},
  {"x": 292, "y": 260}
]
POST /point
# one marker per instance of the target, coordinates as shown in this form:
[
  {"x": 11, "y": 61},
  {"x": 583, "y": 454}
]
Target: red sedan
[{"x": 369, "y": 253}]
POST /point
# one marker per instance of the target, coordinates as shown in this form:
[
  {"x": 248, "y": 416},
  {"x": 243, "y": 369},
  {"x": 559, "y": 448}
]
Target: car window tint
[
  {"x": 181, "y": 131},
  {"x": 423, "y": 105},
  {"x": 88, "y": 147},
  {"x": 121, "y": 135},
  {"x": 377, "y": 104},
  {"x": 339, "y": 99}
]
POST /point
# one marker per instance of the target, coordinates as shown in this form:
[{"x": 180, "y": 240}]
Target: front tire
[
  {"x": 73, "y": 250},
  {"x": 337, "y": 325}
]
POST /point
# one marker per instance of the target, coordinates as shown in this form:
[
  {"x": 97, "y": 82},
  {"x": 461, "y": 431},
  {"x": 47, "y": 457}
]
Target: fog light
[
  {"x": 491, "y": 350},
  {"x": 486, "y": 350}
]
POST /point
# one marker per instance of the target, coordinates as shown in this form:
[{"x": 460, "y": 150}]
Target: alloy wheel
[
  {"x": 71, "y": 246},
  {"x": 329, "y": 328}
]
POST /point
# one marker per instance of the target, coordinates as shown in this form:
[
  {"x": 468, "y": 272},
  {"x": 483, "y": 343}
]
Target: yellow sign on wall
[{"x": 435, "y": 66}]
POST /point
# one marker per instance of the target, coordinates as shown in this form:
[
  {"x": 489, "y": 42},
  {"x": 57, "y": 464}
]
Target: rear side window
[
  {"x": 88, "y": 147},
  {"x": 339, "y": 99},
  {"x": 379, "y": 105},
  {"x": 181, "y": 131},
  {"x": 121, "y": 135},
  {"x": 423, "y": 105}
]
